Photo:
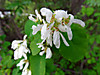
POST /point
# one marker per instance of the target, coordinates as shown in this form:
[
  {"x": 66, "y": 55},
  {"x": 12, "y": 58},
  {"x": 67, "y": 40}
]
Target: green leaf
[
  {"x": 83, "y": 10},
  {"x": 97, "y": 14},
  {"x": 28, "y": 27},
  {"x": 6, "y": 44},
  {"x": 97, "y": 68},
  {"x": 16, "y": 71},
  {"x": 59, "y": 72},
  {"x": 89, "y": 11},
  {"x": 37, "y": 65},
  {"x": 98, "y": 39},
  {"x": 5, "y": 60},
  {"x": 89, "y": 72},
  {"x": 50, "y": 65},
  {"x": 2, "y": 37},
  {"x": 33, "y": 46},
  {"x": 78, "y": 45}
]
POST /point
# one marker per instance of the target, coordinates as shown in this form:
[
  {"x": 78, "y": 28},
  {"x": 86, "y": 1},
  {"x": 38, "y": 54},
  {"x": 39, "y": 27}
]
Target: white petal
[
  {"x": 46, "y": 12},
  {"x": 26, "y": 66},
  {"x": 44, "y": 32},
  {"x": 69, "y": 32},
  {"x": 56, "y": 39},
  {"x": 26, "y": 72},
  {"x": 80, "y": 22},
  {"x": 41, "y": 53},
  {"x": 71, "y": 20},
  {"x": 36, "y": 29},
  {"x": 51, "y": 25},
  {"x": 60, "y": 14},
  {"x": 29, "y": 72},
  {"x": 62, "y": 28},
  {"x": 24, "y": 43},
  {"x": 15, "y": 44},
  {"x": 17, "y": 54},
  {"x": 64, "y": 40},
  {"x": 38, "y": 15},
  {"x": 25, "y": 56},
  {"x": 25, "y": 36},
  {"x": 49, "y": 39},
  {"x": 31, "y": 18},
  {"x": 20, "y": 64},
  {"x": 48, "y": 53}
]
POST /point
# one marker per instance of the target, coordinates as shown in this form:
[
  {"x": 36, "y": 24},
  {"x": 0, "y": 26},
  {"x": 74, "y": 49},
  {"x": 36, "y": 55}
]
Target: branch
[{"x": 3, "y": 10}]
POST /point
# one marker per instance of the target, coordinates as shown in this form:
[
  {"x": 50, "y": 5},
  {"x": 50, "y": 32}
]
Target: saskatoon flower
[
  {"x": 65, "y": 22},
  {"x": 47, "y": 32},
  {"x": 38, "y": 17},
  {"x": 26, "y": 72},
  {"x": 22, "y": 62},
  {"x": 20, "y": 47},
  {"x": 46, "y": 50}
]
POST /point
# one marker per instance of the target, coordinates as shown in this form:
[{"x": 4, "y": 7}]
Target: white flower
[
  {"x": 46, "y": 50},
  {"x": 56, "y": 39},
  {"x": 20, "y": 47},
  {"x": 48, "y": 53},
  {"x": 38, "y": 16},
  {"x": 7, "y": 13},
  {"x": 1, "y": 15},
  {"x": 26, "y": 72},
  {"x": 22, "y": 62},
  {"x": 46, "y": 12}
]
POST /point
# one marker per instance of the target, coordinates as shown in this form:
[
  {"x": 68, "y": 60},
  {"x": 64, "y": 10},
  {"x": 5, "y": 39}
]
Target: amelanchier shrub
[{"x": 43, "y": 34}]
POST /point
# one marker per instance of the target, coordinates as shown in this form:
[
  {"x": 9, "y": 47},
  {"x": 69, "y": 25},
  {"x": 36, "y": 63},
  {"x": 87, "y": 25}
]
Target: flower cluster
[
  {"x": 52, "y": 27},
  {"x": 51, "y": 30},
  {"x": 20, "y": 47},
  {"x": 2, "y": 15}
]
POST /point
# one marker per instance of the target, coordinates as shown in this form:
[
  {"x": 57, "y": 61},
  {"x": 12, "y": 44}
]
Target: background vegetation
[{"x": 76, "y": 63}]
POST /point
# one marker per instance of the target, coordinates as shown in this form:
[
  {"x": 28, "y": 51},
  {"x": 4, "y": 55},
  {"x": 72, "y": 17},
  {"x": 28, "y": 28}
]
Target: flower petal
[
  {"x": 48, "y": 53},
  {"x": 26, "y": 72},
  {"x": 20, "y": 64},
  {"x": 69, "y": 32},
  {"x": 15, "y": 44},
  {"x": 80, "y": 22},
  {"x": 56, "y": 39},
  {"x": 60, "y": 14},
  {"x": 71, "y": 20},
  {"x": 49, "y": 39},
  {"x": 41, "y": 53},
  {"x": 62, "y": 28},
  {"x": 46, "y": 12},
  {"x": 25, "y": 36},
  {"x": 64, "y": 40},
  {"x": 26, "y": 66},
  {"x": 17, "y": 54},
  {"x": 38, "y": 15},
  {"x": 44, "y": 32},
  {"x": 31, "y": 18},
  {"x": 36, "y": 29},
  {"x": 25, "y": 56}
]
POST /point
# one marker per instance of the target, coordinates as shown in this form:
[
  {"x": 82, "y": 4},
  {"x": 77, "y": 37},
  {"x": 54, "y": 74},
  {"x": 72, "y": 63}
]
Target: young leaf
[
  {"x": 37, "y": 65},
  {"x": 28, "y": 27},
  {"x": 33, "y": 46}
]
